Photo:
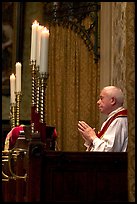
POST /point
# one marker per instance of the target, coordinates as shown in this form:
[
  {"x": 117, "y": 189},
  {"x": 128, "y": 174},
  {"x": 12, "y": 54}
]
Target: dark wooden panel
[
  {"x": 54, "y": 176},
  {"x": 84, "y": 176}
]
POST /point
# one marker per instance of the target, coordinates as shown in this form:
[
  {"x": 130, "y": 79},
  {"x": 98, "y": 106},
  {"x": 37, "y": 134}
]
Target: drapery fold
[{"x": 72, "y": 89}]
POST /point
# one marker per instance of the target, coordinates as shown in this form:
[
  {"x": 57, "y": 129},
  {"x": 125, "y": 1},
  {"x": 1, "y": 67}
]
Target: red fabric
[
  {"x": 55, "y": 133},
  {"x": 14, "y": 135}
]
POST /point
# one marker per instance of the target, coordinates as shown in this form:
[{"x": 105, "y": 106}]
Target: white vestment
[{"x": 115, "y": 139}]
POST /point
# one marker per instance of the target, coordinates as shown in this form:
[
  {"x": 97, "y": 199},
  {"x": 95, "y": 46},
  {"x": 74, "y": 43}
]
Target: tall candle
[
  {"x": 34, "y": 40},
  {"x": 18, "y": 77},
  {"x": 44, "y": 50},
  {"x": 39, "y": 30},
  {"x": 12, "y": 88}
]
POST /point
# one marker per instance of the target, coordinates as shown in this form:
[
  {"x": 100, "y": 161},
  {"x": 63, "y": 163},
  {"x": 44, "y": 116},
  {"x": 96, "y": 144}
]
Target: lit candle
[
  {"x": 12, "y": 88},
  {"x": 44, "y": 50},
  {"x": 34, "y": 40},
  {"x": 18, "y": 77},
  {"x": 39, "y": 30}
]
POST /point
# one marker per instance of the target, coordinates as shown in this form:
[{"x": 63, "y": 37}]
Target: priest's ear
[{"x": 113, "y": 100}]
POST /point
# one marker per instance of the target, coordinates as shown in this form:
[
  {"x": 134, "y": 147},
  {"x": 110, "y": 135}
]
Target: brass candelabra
[{"x": 39, "y": 83}]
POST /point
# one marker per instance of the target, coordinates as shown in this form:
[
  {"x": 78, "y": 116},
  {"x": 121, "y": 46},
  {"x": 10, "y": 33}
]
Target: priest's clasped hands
[{"x": 86, "y": 131}]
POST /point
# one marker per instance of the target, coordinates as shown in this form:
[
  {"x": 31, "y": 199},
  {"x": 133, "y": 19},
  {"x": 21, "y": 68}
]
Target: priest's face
[{"x": 105, "y": 102}]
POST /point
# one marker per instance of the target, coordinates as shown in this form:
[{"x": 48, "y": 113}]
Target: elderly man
[{"x": 113, "y": 136}]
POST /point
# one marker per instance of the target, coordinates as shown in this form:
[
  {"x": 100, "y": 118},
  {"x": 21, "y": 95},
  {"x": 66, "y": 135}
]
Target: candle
[
  {"x": 44, "y": 50},
  {"x": 34, "y": 40},
  {"x": 12, "y": 88},
  {"x": 39, "y": 30},
  {"x": 18, "y": 77}
]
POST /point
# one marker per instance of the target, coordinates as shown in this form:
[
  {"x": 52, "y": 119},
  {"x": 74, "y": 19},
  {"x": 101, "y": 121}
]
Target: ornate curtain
[{"x": 73, "y": 83}]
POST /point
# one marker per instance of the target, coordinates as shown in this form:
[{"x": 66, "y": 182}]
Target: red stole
[{"x": 122, "y": 113}]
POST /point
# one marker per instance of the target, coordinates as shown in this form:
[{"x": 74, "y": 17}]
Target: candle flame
[
  {"x": 45, "y": 30},
  {"x": 35, "y": 22},
  {"x": 12, "y": 75}
]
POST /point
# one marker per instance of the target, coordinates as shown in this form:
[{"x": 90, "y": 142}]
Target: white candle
[
  {"x": 39, "y": 30},
  {"x": 12, "y": 88},
  {"x": 18, "y": 77},
  {"x": 34, "y": 40},
  {"x": 44, "y": 50}
]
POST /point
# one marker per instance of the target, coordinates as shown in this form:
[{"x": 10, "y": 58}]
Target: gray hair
[{"x": 116, "y": 92}]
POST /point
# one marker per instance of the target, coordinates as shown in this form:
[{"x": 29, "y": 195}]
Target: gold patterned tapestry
[{"x": 72, "y": 87}]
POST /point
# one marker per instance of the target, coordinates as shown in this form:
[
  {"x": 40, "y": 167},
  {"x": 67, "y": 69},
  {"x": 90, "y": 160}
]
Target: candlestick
[
  {"x": 43, "y": 84},
  {"x": 33, "y": 81},
  {"x": 12, "y": 88},
  {"x": 44, "y": 51},
  {"x": 12, "y": 114},
  {"x": 34, "y": 41},
  {"x": 33, "y": 98},
  {"x": 18, "y": 77},
  {"x": 37, "y": 89},
  {"x": 18, "y": 100},
  {"x": 37, "y": 94}
]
